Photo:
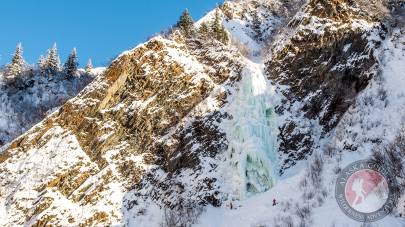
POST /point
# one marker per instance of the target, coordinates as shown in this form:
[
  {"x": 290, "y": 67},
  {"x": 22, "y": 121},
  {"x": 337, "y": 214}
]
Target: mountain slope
[
  {"x": 324, "y": 62},
  {"x": 111, "y": 133},
  {"x": 27, "y": 99},
  {"x": 189, "y": 130}
]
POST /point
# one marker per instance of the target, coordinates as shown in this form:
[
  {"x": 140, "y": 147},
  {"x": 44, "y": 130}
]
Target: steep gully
[
  {"x": 252, "y": 156},
  {"x": 252, "y": 132}
]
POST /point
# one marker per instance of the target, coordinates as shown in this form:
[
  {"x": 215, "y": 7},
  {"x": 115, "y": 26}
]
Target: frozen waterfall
[{"x": 251, "y": 132}]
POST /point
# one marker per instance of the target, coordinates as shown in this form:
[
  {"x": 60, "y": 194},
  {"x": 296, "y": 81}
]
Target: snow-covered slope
[
  {"x": 307, "y": 198},
  {"x": 184, "y": 131},
  {"x": 27, "y": 99},
  {"x": 375, "y": 120}
]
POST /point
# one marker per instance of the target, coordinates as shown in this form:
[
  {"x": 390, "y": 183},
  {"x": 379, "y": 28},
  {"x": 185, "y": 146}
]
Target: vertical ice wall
[{"x": 251, "y": 134}]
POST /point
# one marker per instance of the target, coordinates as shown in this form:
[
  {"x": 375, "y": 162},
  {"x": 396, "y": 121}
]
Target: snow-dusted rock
[{"x": 194, "y": 131}]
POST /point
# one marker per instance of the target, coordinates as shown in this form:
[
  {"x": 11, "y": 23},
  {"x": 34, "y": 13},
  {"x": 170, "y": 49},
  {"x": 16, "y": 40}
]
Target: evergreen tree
[
  {"x": 58, "y": 62},
  {"x": 218, "y": 29},
  {"x": 71, "y": 64},
  {"x": 203, "y": 30},
  {"x": 42, "y": 66},
  {"x": 223, "y": 35},
  {"x": 89, "y": 66},
  {"x": 216, "y": 24},
  {"x": 16, "y": 67},
  {"x": 53, "y": 61},
  {"x": 186, "y": 23}
]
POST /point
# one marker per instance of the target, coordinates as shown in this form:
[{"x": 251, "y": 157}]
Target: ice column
[{"x": 252, "y": 152}]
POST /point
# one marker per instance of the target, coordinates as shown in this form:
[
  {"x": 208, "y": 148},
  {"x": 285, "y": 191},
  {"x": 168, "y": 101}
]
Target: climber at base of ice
[{"x": 274, "y": 202}]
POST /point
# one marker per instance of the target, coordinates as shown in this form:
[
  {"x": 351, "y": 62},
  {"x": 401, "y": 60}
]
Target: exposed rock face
[
  {"x": 146, "y": 111},
  {"x": 148, "y": 133},
  {"x": 324, "y": 63}
]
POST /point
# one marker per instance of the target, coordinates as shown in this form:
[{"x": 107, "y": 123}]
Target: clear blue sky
[{"x": 99, "y": 29}]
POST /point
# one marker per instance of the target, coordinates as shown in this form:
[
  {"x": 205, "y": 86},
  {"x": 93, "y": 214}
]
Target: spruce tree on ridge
[
  {"x": 218, "y": 29},
  {"x": 53, "y": 61},
  {"x": 71, "y": 65},
  {"x": 16, "y": 67},
  {"x": 203, "y": 30},
  {"x": 186, "y": 24},
  {"x": 89, "y": 66},
  {"x": 42, "y": 65}
]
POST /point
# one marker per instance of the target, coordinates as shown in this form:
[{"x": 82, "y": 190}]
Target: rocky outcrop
[
  {"x": 28, "y": 98},
  {"x": 143, "y": 115},
  {"x": 324, "y": 63},
  {"x": 151, "y": 134}
]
